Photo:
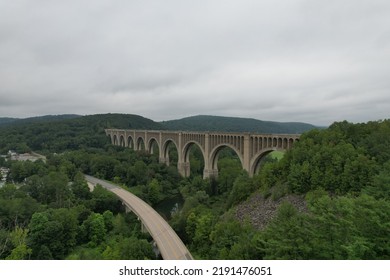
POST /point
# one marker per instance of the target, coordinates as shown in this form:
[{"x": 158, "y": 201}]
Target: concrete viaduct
[{"x": 250, "y": 148}]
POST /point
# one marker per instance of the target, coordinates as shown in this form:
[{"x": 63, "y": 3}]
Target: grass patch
[{"x": 278, "y": 155}]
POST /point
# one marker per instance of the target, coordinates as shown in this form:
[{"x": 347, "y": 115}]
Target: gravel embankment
[{"x": 261, "y": 211}]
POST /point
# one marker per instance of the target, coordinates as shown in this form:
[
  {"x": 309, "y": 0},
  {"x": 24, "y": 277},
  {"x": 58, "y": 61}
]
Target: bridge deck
[{"x": 170, "y": 245}]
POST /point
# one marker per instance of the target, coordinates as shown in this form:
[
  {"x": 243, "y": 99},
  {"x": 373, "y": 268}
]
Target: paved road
[{"x": 170, "y": 245}]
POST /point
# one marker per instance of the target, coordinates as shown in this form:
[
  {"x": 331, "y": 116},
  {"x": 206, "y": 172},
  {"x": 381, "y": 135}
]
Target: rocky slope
[{"x": 260, "y": 211}]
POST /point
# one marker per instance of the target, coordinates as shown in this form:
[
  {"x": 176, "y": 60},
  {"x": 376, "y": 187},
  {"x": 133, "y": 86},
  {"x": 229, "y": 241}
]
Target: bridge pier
[
  {"x": 184, "y": 169},
  {"x": 210, "y": 173},
  {"x": 143, "y": 228},
  {"x": 129, "y": 210},
  {"x": 163, "y": 160}
]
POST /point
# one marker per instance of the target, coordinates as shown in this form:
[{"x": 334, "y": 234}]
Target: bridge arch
[
  {"x": 256, "y": 160},
  {"x": 213, "y": 159},
  {"x": 187, "y": 148},
  {"x": 291, "y": 142},
  {"x": 130, "y": 142},
  {"x": 115, "y": 140},
  {"x": 153, "y": 142},
  {"x": 186, "y": 167},
  {"x": 122, "y": 141},
  {"x": 165, "y": 150},
  {"x": 141, "y": 144}
]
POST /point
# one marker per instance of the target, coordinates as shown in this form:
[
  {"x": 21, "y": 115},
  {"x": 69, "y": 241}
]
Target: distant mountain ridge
[
  {"x": 47, "y": 118},
  {"x": 7, "y": 120},
  {"x": 70, "y": 132},
  {"x": 194, "y": 123},
  {"x": 233, "y": 124}
]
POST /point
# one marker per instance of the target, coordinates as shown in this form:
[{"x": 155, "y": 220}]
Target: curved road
[{"x": 170, "y": 245}]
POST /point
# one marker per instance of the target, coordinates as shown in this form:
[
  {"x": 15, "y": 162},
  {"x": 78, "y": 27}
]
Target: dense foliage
[
  {"x": 343, "y": 159},
  {"x": 53, "y": 215},
  {"x": 341, "y": 175},
  {"x": 56, "y": 136}
]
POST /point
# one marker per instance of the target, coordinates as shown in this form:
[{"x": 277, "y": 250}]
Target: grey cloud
[{"x": 277, "y": 60}]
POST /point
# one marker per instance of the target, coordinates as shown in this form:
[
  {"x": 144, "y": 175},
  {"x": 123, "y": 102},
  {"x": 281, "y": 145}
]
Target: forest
[{"x": 327, "y": 198}]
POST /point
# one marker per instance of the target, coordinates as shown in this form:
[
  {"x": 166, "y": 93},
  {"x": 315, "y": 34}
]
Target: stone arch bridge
[{"x": 250, "y": 148}]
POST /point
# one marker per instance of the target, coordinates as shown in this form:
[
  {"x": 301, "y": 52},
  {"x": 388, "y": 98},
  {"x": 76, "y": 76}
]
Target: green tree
[
  {"x": 94, "y": 229},
  {"x": 137, "y": 174},
  {"x": 103, "y": 166},
  {"x": 21, "y": 251},
  {"x": 80, "y": 188},
  {"x": 108, "y": 217},
  {"x": 380, "y": 186},
  {"x": 334, "y": 228},
  {"x": 288, "y": 236},
  {"x": 232, "y": 240},
  {"x": 103, "y": 200},
  {"x": 201, "y": 238},
  {"x": 129, "y": 248},
  {"x": 326, "y": 159},
  {"x": 230, "y": 168},
  {"x": 5, "y": 243},
  {"x": 154, "y": 191},
  {"x": 16, "y": 208},
  {"x": 371, "y": 218},
  {"x": 56, "y": 229},
  {"x": 18, "y": 171},
  {"x": 52, "y": 189},
  {"x": 243, "y": 187}
]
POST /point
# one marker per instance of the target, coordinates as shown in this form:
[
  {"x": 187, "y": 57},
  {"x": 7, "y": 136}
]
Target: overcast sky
[{"x": 292, "y": 60}]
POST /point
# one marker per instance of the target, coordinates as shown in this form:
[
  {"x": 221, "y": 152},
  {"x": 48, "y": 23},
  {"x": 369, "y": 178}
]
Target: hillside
[
  {"x": 4, "y": 121},
  {"x": 48, "y": 118},
  {"x": 328, "y": 198},
  {"x": 230, "y": 124},
  {"x": 57, "y": 134}
]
